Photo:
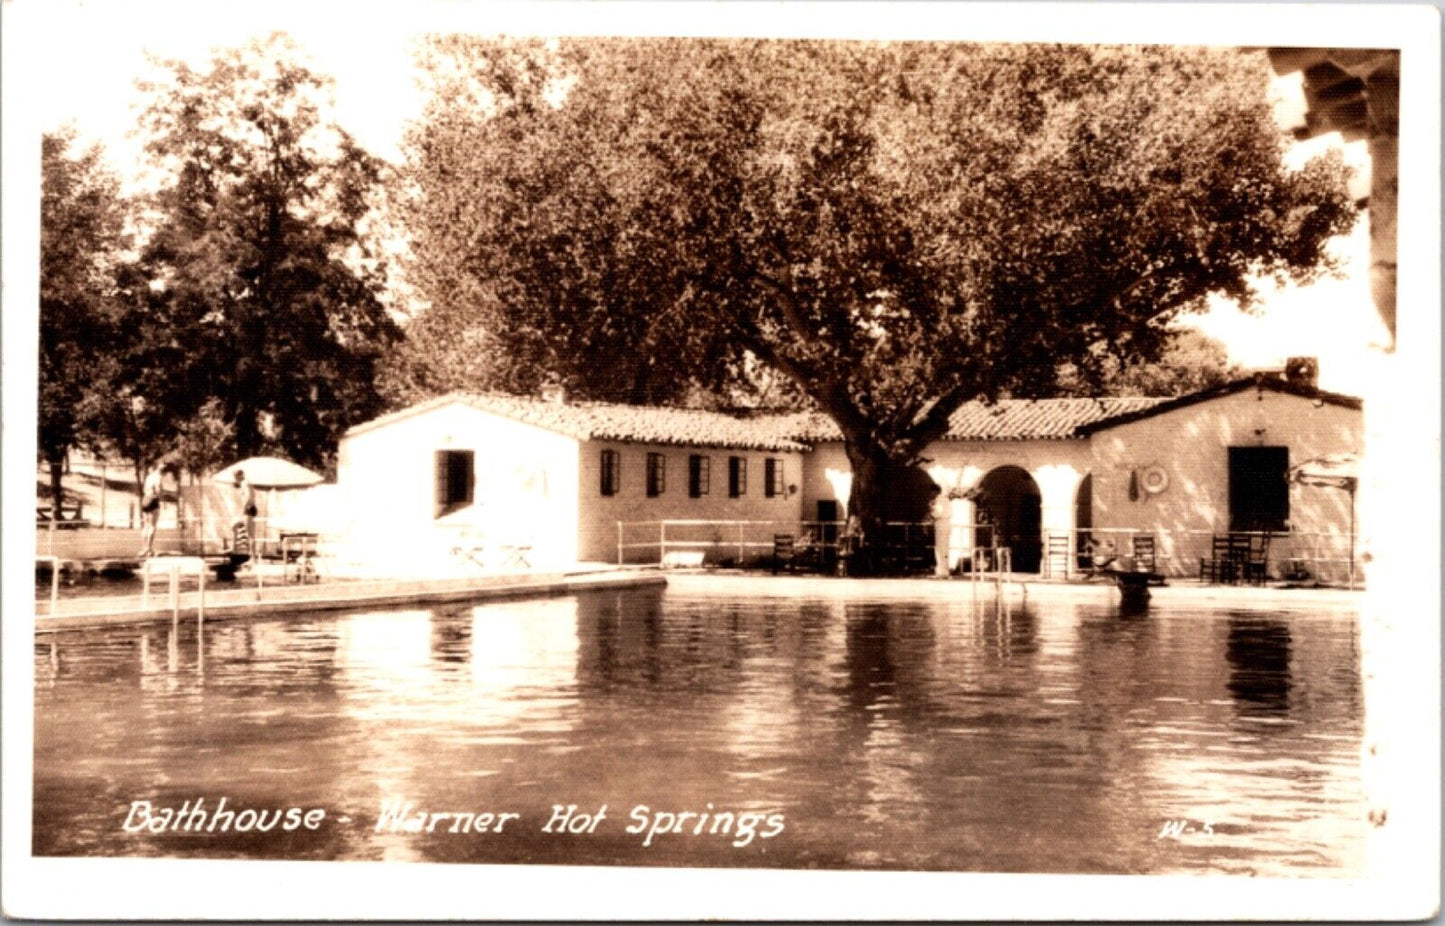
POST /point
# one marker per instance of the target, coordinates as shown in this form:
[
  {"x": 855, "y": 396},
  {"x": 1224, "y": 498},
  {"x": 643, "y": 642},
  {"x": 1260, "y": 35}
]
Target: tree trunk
[
  {"x": 248, "y": 432},
  {"x": 866, "y": 499},
  {"x": 57, "y": 488},
  {"x": 885, "y": 490}
]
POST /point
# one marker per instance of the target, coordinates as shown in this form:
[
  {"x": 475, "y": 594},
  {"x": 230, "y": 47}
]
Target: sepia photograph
[{"x": 732, "y": 461}]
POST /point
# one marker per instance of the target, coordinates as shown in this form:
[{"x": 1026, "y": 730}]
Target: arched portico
[{"x": 1010, "y": 504}]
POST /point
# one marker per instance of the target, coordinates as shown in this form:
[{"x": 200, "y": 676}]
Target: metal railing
[
  {"x": 173, "y": 566},
  {"x": 739, "y": 542},
  {"x": 1187, "y": 548}
]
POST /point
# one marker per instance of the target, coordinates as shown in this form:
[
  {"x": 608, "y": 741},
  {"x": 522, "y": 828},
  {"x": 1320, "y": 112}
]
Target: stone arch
[{"x": 1010, "y": 504}]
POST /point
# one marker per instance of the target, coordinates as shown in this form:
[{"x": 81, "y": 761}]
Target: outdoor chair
[
  {"x": 1253, "y": 563},
  {"x": 1056, "y": 555},
  {"x": 1144, "y": 556},
  {"x": 471, "y": 547},
  {"x": 784, "y": 551},
  {"x": 514, "y": 556},
  {"x": 1241, "y": 546},
  {"x": 1219, "y": 566},
  {"x": 808, "y": 552}
]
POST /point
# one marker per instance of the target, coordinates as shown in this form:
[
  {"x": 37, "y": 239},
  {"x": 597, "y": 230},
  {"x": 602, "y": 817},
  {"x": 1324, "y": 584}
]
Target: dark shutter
[
  {"x": 699, "y": 477},
  {"x": 737, "y": 476},
  {"x": 609, "y": 472}
]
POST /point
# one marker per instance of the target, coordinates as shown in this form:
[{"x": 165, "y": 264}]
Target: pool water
[{"x": 786, "y": 732}]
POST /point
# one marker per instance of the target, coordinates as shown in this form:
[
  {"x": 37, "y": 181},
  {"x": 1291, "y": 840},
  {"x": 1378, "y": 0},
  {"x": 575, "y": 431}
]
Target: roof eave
[{"x": 1219, "y": 392}]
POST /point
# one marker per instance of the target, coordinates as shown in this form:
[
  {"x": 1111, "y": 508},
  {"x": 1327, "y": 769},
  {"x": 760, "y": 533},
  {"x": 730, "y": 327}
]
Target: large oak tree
[{"x": 896, "y": 228}]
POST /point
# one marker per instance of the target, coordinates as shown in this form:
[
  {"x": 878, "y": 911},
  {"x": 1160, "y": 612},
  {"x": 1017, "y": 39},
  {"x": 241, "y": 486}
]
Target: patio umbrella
[
  {"x": 270, "y": 473},
  {"x": 1333, "y": 471}
]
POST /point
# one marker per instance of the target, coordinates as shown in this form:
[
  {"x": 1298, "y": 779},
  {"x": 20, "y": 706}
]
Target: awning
[
  {"x": 270, "y": 473},
  {"x": 1335, "y": 470}
]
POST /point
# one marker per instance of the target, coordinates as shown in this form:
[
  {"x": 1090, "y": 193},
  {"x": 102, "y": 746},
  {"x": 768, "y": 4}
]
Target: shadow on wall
[{"x": 1175, "y": 485}]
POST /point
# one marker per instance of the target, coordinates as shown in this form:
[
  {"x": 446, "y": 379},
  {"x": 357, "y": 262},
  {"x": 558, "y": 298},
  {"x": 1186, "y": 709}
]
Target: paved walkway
[{"x": 250, "y": 599}]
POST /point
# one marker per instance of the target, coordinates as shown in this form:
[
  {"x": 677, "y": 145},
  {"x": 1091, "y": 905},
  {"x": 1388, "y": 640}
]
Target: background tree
[
  {"x": 264, "y": 282},
  {"x": 1188, "y": 361},
  {"x": 82, "y": 239},
  {"x": 896, "y": 228}
]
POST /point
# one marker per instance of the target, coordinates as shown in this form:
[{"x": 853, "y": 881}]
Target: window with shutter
[
  {"x": 699, "y": 476},
  {"x": 611, "y": 472},
  {"x": 737, "y": 477},
  {"x": 773, "y": 477}
]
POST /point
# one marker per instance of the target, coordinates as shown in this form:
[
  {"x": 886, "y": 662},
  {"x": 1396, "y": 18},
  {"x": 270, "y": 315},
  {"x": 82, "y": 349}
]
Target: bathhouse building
[
  {"x": 509, "y": 481},
  {"x": 548, "y": 482}
]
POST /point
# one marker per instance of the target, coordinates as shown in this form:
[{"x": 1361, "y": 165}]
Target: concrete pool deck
[
  {"x": 230, "y": 601},
  {"x": 226, "y": 601},
  {"x": 1016, "y": 587}
]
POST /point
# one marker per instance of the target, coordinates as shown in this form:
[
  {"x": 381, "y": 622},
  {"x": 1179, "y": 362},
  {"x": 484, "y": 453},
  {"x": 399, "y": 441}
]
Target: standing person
[
  {"x": 150, "y": 510},
  {"x": 942, "y": 512},
  {"x": 246, "y": 510}
]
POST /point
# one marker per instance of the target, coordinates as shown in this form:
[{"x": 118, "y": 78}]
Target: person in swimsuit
[
  {"x": 150, "y": 507},
  {"x": 246, "y": 509}
]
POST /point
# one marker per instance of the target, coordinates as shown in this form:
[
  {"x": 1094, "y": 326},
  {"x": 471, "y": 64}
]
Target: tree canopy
[
  {"x": 896, "y": 228},
  {"x": 1188, "y": 361},
  {"x": 82, "y": 241},
  {"x": 259, "y": 283}
]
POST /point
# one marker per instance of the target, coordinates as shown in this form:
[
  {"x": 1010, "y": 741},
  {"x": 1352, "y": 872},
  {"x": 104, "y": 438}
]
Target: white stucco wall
[
  {"x": 526, "y": 492},
  {"x": 1191, "y": 445},
  {"x": 601, "y": 513}
]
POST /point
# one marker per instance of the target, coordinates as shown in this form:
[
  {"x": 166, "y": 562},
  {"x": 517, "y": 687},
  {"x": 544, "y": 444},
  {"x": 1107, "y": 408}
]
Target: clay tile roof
[
  {"x": 1007, "y": 419},
  {"x": 624, "y": 423}
]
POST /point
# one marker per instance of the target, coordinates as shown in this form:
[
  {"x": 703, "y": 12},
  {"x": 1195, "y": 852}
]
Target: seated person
[{"x": 1102, "y": 554}]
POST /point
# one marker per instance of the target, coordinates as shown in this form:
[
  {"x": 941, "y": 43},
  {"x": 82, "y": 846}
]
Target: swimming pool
[{"x": 652, "y": 727}]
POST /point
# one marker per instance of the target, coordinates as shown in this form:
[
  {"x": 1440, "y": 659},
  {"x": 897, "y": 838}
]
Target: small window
[
  {"x": 656, "y": 475},
  {"x": 455, "y": 480},
  {"x": 699, "y": 475},
  {"x": 773, "y": 477},
  {"x": 737, "y": 477},
  {"x": 611, "y": 472}
]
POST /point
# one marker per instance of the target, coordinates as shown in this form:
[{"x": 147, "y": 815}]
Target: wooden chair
[
  {"x": 1218, "y": 567},
  {"x": 1253, "y": 564},
  {"x": 1240, "y": 547},
  {"x": 1057, "y": 555},
  {"x": 1144, "y": 557},
  {"x": 784, "y": 551},
  {"x": 471, "y": 547}
]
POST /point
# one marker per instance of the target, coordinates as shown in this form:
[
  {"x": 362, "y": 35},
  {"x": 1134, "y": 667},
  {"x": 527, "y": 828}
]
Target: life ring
[{"x": 1154, "y": 480}]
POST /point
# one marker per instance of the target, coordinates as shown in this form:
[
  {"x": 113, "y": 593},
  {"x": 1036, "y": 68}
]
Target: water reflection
[
  {"x": 1258, "y": 651},
  {"x": 918, "y": 734}
]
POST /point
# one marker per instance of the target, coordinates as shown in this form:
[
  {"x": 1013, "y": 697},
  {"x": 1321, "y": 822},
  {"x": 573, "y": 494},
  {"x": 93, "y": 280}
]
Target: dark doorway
[
  {"x": 1084, "y": 522},
  {"x": 1011, "y": 507},
  {"x": 828, "y": 526},
  {"x": 1259, "y": 488}
]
